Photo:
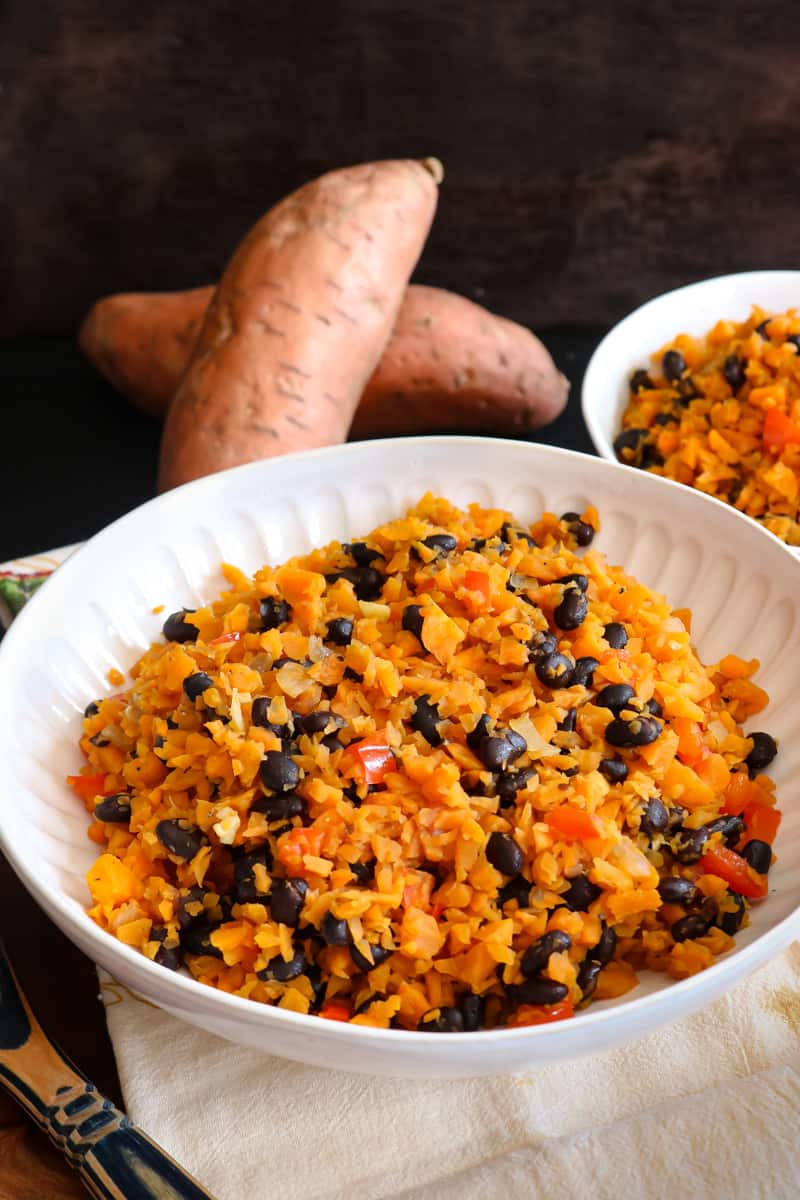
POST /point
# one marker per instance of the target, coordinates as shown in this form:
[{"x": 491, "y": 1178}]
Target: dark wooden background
[{"x": 596, "y": 153}]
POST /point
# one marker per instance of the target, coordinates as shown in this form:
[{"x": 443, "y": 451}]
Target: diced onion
[
  {"x": 537, "y": 746},
  {"x": 371, "y": 608},
  {"x": 292, "y": 679},
  {"x": 237, "y": 720}
]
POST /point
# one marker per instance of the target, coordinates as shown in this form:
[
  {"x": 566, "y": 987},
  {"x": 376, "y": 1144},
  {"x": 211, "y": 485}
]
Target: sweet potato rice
[
  {"x": 722, "y": 414},
  {"x": 457, "y": 775}
]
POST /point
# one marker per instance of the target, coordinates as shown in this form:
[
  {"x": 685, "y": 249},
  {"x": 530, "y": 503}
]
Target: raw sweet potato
[
  {"x": 449, "y": 364},
  {"x": 300, "y": 319}
]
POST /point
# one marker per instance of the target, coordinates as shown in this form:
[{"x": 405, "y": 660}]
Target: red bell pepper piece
[
  {"x": 478, "y": 581},
  {"x": 779, "y": 430},
  {"x": 335, "y": 1010},
  {"x": 762, "y": 822},
  {"x": 542, "y": 1014},
  {"x": 572, "y": 823},
  {"x": 374, "y": 758},
  {"x": 298, "y": 843},
  {"x": 225, "y": 638},
  {"x": 88, "y": 786},
  {"x": 736, "y": 871}
]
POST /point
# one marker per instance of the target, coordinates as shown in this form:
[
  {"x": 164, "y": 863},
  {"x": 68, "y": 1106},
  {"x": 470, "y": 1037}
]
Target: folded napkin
[{"x": 706, "y": 1108}]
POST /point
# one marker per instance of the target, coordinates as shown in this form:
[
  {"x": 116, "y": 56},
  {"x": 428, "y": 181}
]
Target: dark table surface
[{"x": 76, "y": 457}]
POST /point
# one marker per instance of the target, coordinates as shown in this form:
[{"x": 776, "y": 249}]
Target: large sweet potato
[
  {"x": 449, "y": 364},
  {"x": 300, "y": 319}
]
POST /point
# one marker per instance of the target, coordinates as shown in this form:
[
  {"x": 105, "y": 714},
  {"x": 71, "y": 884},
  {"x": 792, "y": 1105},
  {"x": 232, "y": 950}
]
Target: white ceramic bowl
[
  {"x": 96, "y": 613},
  {"x": 693, "y": 309}
]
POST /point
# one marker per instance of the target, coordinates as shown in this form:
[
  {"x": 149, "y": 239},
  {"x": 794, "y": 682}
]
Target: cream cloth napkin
[{"x": 707, "y": 1108}]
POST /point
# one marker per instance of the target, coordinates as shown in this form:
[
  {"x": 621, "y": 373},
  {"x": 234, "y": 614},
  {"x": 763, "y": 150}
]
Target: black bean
[
  {"x": 676, "y": 815},
  {"x": 639, "y": 731},
  {"x": 504, "y": 853},
  {"x": 442, "y": 1020},
  {"x": 585, "y": 668},
  {"x": 542, "y": 645},
  {"x": 362, "y": 554},
  {"x": 673, "y": 364},
  {"x": 478, "y": 544},
  {"x": 794, "y": 340},
  {"x": 693, "y": 925},
  {"x": 567, "y": 725},
  {"x": 278, "y": 772},
  {"x": 339, "y": 631},
  {"x": 286, "y": 900},
  {"x": 356, "y": 676},
  {"x": 191, "y": 907},
  {"x": 280, "y": 806},
  {"x": 580, "y": 894},
  {"x": 335, "y": 931},
  {"x": 555, "y": 670},
  {"x": 259, "y": 715},
  {"x": 674, "y": 890},
  {"x": 274, "y": 612},
  {"x": 758, "y": 854},
  {"x": 180, "y": 837},
  {"x": 518, "y": 888},
  {"x": 616, "y": 635},
  {"x": 517, "y": 743},
  {"x": 196, "y": 939},
  {"x": 495, "y": 752},
  {"x": 367, "y": 582},
  {"x": 412, "y": 620},
  {"x": 116, "y": 809},
  {"x": 278, "y": 970},
  {"x": 92, "y": 709},
  {"x": 571, "y": 612},
  {"x": 442, "y": 543},
  {"x": 332, "y": 743},
  {"x": 246, "y": 889},
  {"x": 379, "y": 955},
  {"x": 539, "y": 991},
  {"x": 614, "y": 696},
  {"x": 194, "y": 685},
  {"x": 510, "y": 782},
  {"x": 761, "y": 329},
  {"x": 363, "y": 871},
  {"x": 640, "y": 380},
  {"x": 580, "y": 581},
  {"x": 478, "y": 732},
  {"x": 615, "y": 770},
  {"x": 167, "y": 956},
  {"x": 655, "y": 817},
  {"x": 764, "y": 750},
  {"x": 665, "y": 418},
  {"x": 603, "y": 952},
  {"x": 425, "y": 720},
  {"x": 627, "y": 444},
  {"x": 176, "y": 629},
  {"x": 537, "y": 956},
  {"x": 731, "y": 828},
  {"x": 690, "y": 845},
  {"x": 99, "y": 740},
  {"x": 322, "y": 721},
  {"x": 654, "y": 708},
  {"x": 734, "y": 371},
  {"x": 472, "y": 1012},
  {"x": 509, "y": 531},
  {"x": 730, "y": 922},
  {"x": 587, "y": 977},
  {"x": 582, "y": 531}
]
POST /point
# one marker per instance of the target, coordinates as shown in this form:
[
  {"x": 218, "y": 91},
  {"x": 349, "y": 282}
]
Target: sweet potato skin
[
  {"x": 142, "y": 342},
  {"x": 452, "y": 365},
  {"x": 449, "y": 364},
  {"x": 299, "y": 320}
]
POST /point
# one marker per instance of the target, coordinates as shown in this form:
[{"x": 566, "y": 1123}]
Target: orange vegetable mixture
[
  {"x": 400, "y": 916},
  {"x": 727, "y": 424}
]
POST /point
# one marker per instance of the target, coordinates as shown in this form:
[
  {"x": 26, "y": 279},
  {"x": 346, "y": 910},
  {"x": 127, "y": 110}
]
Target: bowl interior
[
  {"x": 693, "y": 310},
  {"x": 97, "y": 613}
]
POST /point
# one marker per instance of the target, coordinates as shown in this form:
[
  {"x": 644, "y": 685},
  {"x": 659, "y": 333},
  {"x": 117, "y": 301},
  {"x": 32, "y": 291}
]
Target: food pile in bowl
[
  {"x": 721, "y": 413},
  {"x": 456, "y": 774}
]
